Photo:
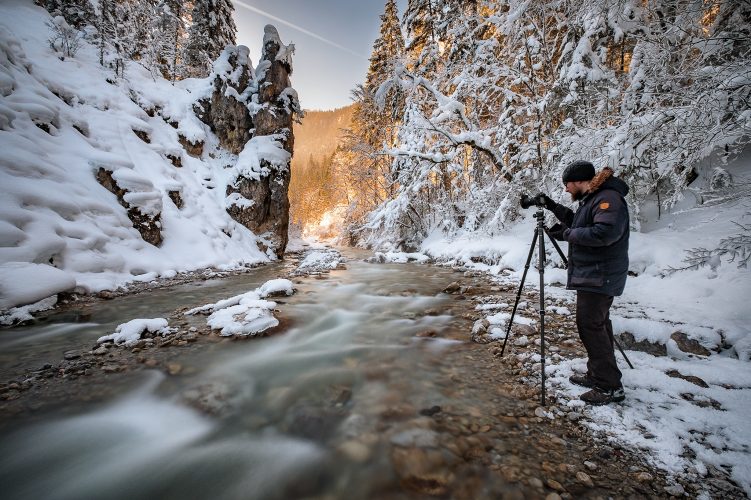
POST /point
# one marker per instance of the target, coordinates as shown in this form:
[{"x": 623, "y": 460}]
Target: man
[{"x": 597, "y": 268}]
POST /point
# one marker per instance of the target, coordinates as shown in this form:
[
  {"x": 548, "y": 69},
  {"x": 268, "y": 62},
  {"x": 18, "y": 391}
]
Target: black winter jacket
[{"x": 598, "y": 237}]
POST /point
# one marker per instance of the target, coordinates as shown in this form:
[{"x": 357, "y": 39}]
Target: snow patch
[{"x": 130, "y": 333}]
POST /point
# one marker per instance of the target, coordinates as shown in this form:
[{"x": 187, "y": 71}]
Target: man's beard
[{"x": 577, "y": 195}]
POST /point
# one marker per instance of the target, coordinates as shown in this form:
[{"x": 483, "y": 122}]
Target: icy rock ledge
[{"x": 247, "y": 314}]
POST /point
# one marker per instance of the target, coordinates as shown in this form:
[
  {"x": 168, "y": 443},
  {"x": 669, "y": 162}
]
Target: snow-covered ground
[
  {"x": 683, "y": 426},
  {"x": 63, "y": 120}
]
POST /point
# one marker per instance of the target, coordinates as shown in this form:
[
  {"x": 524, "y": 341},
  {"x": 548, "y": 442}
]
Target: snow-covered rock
[
  {"x": 129, "y": 333},
  {"x": 246, "y": 314}
]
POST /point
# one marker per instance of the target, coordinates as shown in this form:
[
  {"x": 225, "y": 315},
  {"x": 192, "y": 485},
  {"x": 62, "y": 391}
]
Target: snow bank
[
  {"x": 246, "y": 314},
  {"x": 129, "y": 333},
  {"x": 63, "y": 121},
  {"x": 26, "y": 282},
  {"x": 686, "y": 411}
]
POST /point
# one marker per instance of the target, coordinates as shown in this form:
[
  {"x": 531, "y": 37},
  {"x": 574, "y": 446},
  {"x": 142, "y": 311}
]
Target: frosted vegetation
[{"x": 469, "y": 104}]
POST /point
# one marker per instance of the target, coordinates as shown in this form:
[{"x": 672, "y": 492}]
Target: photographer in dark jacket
[{"x": 598, "y": 265}]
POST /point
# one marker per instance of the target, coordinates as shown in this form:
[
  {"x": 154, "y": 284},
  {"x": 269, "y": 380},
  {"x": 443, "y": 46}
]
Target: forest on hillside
[
  {"x": 173, "y": 38},
  {"x": 466, "y": 105},
  {"x": 312, "y": 189}
]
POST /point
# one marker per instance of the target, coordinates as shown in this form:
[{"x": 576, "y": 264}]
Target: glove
[
  {"x": 556, "y": 232},
  {"x": 549, "y": 204}
]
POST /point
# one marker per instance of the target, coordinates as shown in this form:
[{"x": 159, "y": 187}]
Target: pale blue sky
[{"x": 333, "y": 40}]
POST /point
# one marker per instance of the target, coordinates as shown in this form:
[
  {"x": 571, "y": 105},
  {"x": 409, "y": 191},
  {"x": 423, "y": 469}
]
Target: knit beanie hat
[{"x": 579, "y": 170}]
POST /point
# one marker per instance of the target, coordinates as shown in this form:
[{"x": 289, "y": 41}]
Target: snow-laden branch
[{"x": 447, "y": 108}]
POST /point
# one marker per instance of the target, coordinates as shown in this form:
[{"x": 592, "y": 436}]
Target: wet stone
[
  {"x": 535, "y": 482},
  {"x": 429, "y": 412},
  {"x": 644, "y": 477},
  {"x": 553, "y": 484},
  {"x": 584, "y": 478}
]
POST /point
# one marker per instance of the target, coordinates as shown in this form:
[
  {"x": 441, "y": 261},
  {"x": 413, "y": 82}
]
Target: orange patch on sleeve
[{"x": 604, "y": 205}]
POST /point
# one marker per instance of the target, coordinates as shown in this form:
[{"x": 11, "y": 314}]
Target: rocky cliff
[{"x": 252, "y": 111}]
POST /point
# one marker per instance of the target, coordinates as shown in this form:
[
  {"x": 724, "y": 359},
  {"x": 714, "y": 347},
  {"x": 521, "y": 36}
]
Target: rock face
[
  {"x": 268, "y": 213},
  {"x": 248, "y": 105},
  {"x": 228, "y": 117},
  {"x": 147, "y": 225}
]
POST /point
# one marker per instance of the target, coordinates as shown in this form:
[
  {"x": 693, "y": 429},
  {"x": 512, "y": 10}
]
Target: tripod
[{"x": 540, "y": 232}]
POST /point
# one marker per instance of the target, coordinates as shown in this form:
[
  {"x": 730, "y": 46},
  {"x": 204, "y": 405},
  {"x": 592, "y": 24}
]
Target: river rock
[
  {"x": 628, "y": 341},
  {"x": 100, "y": 351},
  {"x": 584, "y": 478},
  {"x": 644, "y": 477},
  {"x": 423, "y": 438},
  {"x": 675, "y": 490},
  {"x": 553, "y": 484},
  {"x": 535, "y": 482},
  {"x": 420, "y": 470},
  {"x": 553, "y": 496},
  {"x": 689, "y": 345},
  {"x": 355, "y": 451}
]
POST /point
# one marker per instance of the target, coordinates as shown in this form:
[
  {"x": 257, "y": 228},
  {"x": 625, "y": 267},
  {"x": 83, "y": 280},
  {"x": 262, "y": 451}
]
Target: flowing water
[{"x": 313, "y": 412}]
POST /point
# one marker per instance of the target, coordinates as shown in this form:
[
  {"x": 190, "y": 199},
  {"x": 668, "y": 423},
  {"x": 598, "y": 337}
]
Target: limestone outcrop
[
  {"x": 251, "y": 113},
  {"x": 226, "y": 110}
]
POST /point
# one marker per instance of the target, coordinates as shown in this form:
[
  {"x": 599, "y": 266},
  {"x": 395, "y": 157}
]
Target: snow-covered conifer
[{"x": 211, "y": 30}]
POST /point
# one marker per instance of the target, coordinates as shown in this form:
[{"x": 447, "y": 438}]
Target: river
[{"x": 316, "y": 411}]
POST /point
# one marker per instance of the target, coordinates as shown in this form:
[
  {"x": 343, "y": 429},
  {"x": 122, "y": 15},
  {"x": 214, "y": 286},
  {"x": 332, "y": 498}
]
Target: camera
[{"x": 527, "y": 201}]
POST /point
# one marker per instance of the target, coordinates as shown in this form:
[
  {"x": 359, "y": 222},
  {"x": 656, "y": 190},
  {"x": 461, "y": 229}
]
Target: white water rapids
[{"x": 293, "y": 415}]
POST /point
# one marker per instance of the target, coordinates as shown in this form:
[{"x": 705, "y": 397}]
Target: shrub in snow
[
  {"x": 63, "y": 38},
  {"x": 735, "y": 248}
]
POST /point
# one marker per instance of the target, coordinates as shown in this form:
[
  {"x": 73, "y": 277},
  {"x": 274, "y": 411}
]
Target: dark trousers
[{"x": 596, "y": 333}]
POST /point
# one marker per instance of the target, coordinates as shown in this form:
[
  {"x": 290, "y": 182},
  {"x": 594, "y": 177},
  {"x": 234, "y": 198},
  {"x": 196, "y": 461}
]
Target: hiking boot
[
  {"x": 582, "y": 380},
  {"x": 598, "y": 396}
]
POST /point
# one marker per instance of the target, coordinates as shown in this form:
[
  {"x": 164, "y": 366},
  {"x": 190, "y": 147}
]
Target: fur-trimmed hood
[{"x": 605, "y": 179}]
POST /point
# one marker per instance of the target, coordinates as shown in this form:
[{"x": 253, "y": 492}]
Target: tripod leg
[
  {"x": 541, "y": 269},
  {"x": 558, "y": 248},
  {"x": 624, "y": 353},
  {"x": 519, "y": 292}
]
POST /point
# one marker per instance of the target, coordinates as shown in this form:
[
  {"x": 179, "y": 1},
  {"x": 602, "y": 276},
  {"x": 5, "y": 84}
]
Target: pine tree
[
  {"x": 211, "y": 30},
  {"x": 168, "y": 45},
  {"x": 421, "y": 41},
  {"x": 377, "y": 112},
  {"x": 108, "y": 35},
  {"x": 77, "y": 13}
]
